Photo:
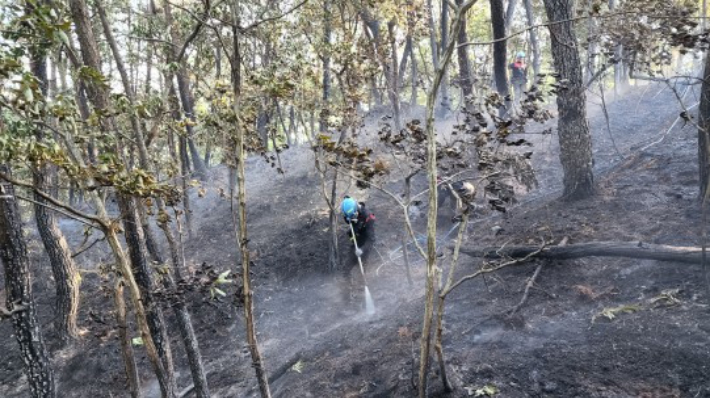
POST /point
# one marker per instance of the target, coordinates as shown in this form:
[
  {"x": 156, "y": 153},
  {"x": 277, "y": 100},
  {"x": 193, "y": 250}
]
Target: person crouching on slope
[{"x": 362, "y": 221}]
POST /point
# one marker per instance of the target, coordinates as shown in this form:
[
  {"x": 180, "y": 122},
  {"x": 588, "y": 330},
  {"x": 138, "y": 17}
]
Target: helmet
[
  {"x": 349, "y": 207},
  {"x": 521, "y": 54}
]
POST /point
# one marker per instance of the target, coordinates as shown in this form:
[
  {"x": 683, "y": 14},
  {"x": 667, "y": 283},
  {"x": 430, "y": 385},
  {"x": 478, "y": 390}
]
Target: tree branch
[
  {"x": 55, "y": 202},
  {"x": 489, "y": 270},
  {"x": 17, "y": 306}
]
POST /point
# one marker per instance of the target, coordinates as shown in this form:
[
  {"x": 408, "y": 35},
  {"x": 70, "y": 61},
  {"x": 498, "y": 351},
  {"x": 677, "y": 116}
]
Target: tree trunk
[
  {"x": 188, "y": 103},
  {"x": 431, "y": 168},
  {"x": 509, "y": 14},
  {"x": 532, "y": 34},
  {"x": 500, "y": 56},
  {"x": 406, "y": 55},
  {"x": 182, "y": 315},
  {"x": 327, "y": 33},
  {"x": 573, "y": 130},
  {"x": 239, "y": 215},
  {"x": 124, "y": 338},
  {"x": 410, "y": 43},
  {"x": 139, "y": 259},
  {"x": 445, "y": 104},
  {"x": 20, "y": 300},
  {"x": 640, "y": 250},
  {"x": 99, "y": 98},
  {"x": 138, "y": 132},
  {"x": 393, "y": 77},
  {"x": 465, "y": 80},
  {"x": 591, "y": 43},
  {"x": 66, "y": 277},
  {"x": 704, "y": 131},
  {"x": 432, "y": 35},
  {"x": 184, "y": 167}
]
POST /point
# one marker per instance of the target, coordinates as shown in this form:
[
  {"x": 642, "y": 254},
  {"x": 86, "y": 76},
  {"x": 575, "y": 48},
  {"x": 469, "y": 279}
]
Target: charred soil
[{"x": 592, "y": 327}]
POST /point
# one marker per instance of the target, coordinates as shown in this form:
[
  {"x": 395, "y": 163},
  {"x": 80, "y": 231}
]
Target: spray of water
[{"x": 369, "y": 303}]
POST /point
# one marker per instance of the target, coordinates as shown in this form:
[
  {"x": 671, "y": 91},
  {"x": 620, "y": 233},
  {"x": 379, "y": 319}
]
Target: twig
[
  {"x": 528, "y": 285},
  {"x": 87, "y": 247},
  {"x": 496, "y": 268},
  {"x": 606, "y": 118},
  {"x": 17, "y": 306},
  {"x": 60, "y": 211}
]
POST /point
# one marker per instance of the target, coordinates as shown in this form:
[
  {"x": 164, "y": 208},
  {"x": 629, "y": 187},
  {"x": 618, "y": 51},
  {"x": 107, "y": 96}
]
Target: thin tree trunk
[
  {"x": 20, "y": 300},
  {"x": 327, "y": 33},
  {"x": 406, "y": 55},
  {"x": 99, "y": 98},
  {"x": 704, "y": 131},
  {"x": 410, "y": 43},
  {"x": 239, "y": 215},
  {"x": 431, "y": 168},
  {"x": 393, "y": 77},
  {"x": 532, "y": 34},
  {"x": 592, "y": 43},
  {"x": 124, "y": 338},
  {"x": 432, "y": 35},
  {"x": 66, "y": 277},
  {"x": 445, "y": 104},
  {"x": 465, "y": 80},
  {"x": 405, "y": 236},
  {"x": 136, "y": 125},
  {"x": 138, "y": 254},
  {"x": 509, "y": 14},
  {"x": 443, "y": 292},
  {"x": 573, "y": 130},
  {"x": 188, "y": 103},
  {"x": 500, "y": 53},
  {"x": 184, "y": 167},
  {"x": 182, "y": 315}
]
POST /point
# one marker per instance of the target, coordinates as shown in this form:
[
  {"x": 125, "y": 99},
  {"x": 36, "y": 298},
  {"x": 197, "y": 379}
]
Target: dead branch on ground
[{"x": 682, "y": 254}]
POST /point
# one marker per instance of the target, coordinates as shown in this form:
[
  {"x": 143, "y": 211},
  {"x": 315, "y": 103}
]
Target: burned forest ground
[{"x": 560, "y": 343}]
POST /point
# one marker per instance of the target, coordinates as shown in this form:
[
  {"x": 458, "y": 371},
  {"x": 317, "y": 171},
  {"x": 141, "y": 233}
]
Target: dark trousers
[{"x": 351, "y": 280}]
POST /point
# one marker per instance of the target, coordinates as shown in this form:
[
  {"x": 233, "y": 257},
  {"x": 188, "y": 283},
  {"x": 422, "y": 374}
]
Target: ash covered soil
[{"x": 556, "y": 345}]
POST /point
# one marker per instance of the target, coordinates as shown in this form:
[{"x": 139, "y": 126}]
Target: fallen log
[{"x": 681, "y": 254}]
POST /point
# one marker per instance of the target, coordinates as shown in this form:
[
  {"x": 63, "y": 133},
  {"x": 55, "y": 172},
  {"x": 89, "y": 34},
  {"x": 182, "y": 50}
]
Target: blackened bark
[
  {"x": 445, "y": 101},
  {"x": 499, "y": 50},
  {"x": 573, "y": 130},
  {"x": 704, "y": 131},
  {"x": 151, "y": 243},
  {"x": 184, "y": 165},
  {"x": 18, "y": 286},
  {"x": 66, "y": 278},
  {"x": 139, "y": 261},
  {"x": 465, "y": 80},
  {"x": 124, "y": 337},
  {"x": 182, "y": 316}
]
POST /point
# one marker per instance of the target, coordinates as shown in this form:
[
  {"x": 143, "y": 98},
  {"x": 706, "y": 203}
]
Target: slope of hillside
[{"x": 315, "y": 345}]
